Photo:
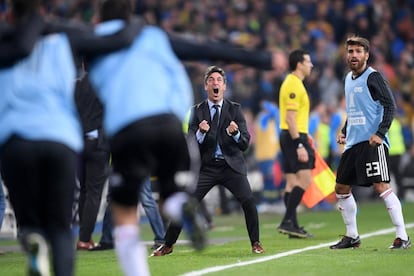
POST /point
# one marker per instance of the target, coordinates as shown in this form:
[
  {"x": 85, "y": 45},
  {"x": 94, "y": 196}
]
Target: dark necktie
[
  {"x": 215, "y": 120},
  {"x": 214, "y": 126}
]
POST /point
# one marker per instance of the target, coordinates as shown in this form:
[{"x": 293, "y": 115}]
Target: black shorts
[
  {"x": 152, "y": 146},
  {"x": 40, "y": 178},
  {"x": 364, "y": 165},
  {"x": 291, "y": 163}
]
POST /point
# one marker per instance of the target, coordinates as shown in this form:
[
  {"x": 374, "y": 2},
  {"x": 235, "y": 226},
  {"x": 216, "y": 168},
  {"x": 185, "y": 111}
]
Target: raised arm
[
  {"x": 187, "y": 49},
  {"x": 16, "y": 42},
  {"x": 89, "y": 45}
]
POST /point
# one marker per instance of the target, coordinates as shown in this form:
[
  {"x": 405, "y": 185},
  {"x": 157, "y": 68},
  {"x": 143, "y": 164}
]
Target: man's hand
[
  {"x": 375, "y": 140},
  {"x": 341, "y": 139},
  {"x": 232, "y": 129},
  {"x": 204, "y": 126},
  {"x": 302, "y": 153}
]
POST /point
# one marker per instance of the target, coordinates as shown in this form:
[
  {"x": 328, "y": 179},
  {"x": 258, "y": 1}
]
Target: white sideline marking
[{"x": 284, "y": 254}]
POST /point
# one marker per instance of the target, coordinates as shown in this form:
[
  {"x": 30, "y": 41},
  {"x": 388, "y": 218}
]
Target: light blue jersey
[
  {"x": 143, "y": 80},
  {"x": 364, "y": 114},
  {"x": 37, "y": 95}
]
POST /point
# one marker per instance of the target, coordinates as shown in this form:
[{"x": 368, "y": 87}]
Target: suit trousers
[
  {"x": 93, "y": 173},
  {"x": 217, "y": 172}
]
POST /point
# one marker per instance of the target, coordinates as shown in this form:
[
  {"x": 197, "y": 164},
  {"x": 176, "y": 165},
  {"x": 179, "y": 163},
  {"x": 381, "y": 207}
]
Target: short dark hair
[
  {"x": 211, "y": 69},
  {"x": 359, "y": 41},
  {"x": 295, "y": 57},
  {"x": 115, "y": 9}
]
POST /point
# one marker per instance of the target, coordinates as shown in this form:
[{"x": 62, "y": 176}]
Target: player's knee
[
  {"x": 342, "y": 189},
  {"x": 379, "y": 188}
]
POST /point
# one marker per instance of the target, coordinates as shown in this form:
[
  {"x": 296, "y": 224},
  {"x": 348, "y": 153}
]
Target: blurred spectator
[
  {"x": 397, "y": 149},
  {"x": 337, "y": 121},
  {"x": 335, "y": 16},
  {"x": 319, "y": 129},
  {"x": 330, "y": 87},
  {"x": 266, "y": 150},
  {"x": 379, "y": 62},
  {"x": 403, "y": 84},
  {"x": 243, "y": 86}
]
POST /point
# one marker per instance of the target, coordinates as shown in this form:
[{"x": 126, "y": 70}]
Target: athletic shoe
[
  {"x": 194, "y": 224},
  {"x": 162, "y": 250},
  {"x": 308, "y": 235},
  {"x": 347, "y": 242},
  {"x": 38, "y": 255},
  {"x": 401, "y": 244},
  {"x": 287, "y": 227},
  {"x": 257, "y": 248}
]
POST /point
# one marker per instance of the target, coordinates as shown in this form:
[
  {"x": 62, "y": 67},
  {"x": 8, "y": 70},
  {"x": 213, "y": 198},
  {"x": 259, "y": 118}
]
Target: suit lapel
[
  {"x": 224, "y": 112},
  {"x": 205, "y": 110}
]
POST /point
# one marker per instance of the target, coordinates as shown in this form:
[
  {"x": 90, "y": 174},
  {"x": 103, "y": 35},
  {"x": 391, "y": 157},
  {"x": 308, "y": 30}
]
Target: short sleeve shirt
[{"x": 293, "y": 96}]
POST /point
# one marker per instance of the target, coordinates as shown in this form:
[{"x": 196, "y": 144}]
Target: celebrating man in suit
[{"x": 220, "y": 129}]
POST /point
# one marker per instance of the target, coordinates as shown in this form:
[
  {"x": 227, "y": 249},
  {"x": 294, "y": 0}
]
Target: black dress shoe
[{"x": 102, "y": 246}]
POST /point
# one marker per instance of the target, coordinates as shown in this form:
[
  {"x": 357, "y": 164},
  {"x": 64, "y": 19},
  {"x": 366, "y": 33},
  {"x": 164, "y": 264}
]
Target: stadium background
[{"x": 318, "y": 26}]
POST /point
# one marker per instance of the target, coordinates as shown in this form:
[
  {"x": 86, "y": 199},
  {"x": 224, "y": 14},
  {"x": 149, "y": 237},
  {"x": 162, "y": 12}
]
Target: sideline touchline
[{"x": 284, "y": 254}]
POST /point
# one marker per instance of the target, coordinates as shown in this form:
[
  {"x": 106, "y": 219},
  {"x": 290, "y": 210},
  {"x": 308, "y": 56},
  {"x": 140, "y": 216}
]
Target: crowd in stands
[{"x": 319, "y": 26}]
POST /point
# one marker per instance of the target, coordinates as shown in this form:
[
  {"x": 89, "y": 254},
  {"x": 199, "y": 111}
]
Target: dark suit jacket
[
  {"x": 90, "y": 110},
  {"x": 232, "y": 151}
]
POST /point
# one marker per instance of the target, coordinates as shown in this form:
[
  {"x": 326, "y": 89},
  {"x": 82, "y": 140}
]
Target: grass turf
[{"x": 230, "y": 245}]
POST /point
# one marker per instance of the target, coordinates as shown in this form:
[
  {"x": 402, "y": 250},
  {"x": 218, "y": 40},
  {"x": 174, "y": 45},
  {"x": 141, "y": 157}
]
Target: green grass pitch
[{"x": 229, "y": 252}]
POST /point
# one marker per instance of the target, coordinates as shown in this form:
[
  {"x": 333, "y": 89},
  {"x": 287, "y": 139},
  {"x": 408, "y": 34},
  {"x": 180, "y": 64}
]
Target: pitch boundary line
[{"x": 284, "y": 254}]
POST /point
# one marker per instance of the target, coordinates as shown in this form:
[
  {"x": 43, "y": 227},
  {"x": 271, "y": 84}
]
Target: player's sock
[
  {"x": 348, "y": 208},
  {"x": 132, "y": 255},
  {"x": 393, "y": 205}
]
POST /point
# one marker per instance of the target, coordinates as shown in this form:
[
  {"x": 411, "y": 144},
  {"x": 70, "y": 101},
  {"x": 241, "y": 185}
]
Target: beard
[{"x": 356, "y": 67}]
